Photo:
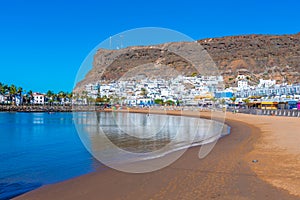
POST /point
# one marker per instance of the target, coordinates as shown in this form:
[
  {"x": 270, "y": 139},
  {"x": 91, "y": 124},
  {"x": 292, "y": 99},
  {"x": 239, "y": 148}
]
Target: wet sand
[{"x": 226, "y": 173}]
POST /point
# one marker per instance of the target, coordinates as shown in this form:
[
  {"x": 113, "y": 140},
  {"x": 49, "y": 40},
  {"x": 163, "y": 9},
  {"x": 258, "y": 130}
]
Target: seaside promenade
[{"x": 260, "y": 159}]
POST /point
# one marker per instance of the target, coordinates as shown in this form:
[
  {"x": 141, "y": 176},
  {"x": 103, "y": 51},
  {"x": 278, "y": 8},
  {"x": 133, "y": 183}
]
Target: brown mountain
[{"x": 256, "y": 56}]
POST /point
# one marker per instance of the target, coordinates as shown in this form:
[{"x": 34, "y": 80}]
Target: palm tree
[
  {"x": 50, "y": 97},
  {"x": 61, "y": 95},
  {"x": 144, "y": 92},
  {"x": 49, "y": 94},
  {"x": 105, "y": 99},
  {"x": 19, "y": 92},
  {"x": 69, "y": 95},
  {"x": 233, "y": 99},
  {"x": 222, "y": 101},
  {"x": 30, "y": 96},
  {"x": 5, "y": 89},
  {"x": 122, "y": 100},
  {"x": 12, "y": 93},
  {"x": 25, "y": 98},
  {"x": 170, "y": 102},
  {"x": 1, "y": 88},
  {"x": 246, "y": 101}
]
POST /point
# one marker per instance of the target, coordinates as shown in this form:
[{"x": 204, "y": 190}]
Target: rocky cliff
[{"x": 256, "y": 56}]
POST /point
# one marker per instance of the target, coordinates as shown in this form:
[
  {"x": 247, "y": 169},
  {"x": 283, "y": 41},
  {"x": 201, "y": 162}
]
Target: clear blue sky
[{"x": 43, "y": 43}]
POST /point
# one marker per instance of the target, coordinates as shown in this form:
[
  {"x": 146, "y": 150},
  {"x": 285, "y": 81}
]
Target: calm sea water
[
  {"x": 41, "y": 148},
  {"x": 38, "y": 149},
  {"x": 120, "y": 139}
]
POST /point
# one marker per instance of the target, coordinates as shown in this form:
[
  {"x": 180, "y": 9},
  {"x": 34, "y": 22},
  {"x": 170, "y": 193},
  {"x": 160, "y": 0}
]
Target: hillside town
[
  {"x": 203, "y": 91},
  {"x": 198, "y": 90}
]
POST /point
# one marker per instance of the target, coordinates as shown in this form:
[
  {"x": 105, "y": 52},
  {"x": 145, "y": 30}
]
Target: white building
[
  {"x": 38, "y": 98},
  {"x": 266, "y": 83},
  {"x": 176, "y": 88},
  {"x": 92, "y": 90},
  {"x": 2, "y": 98},
  {"x": 165, "y": 92},
  {"x": 242, "y": 84}
]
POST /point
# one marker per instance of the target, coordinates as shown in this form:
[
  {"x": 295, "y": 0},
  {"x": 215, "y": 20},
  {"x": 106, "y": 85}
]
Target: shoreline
[
  {"x": 226, "y": 173},
  {"x": 99, "y": 108}
]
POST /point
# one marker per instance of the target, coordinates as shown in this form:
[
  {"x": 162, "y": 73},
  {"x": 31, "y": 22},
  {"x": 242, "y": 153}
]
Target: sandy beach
[{"x": 228, "y": 172}]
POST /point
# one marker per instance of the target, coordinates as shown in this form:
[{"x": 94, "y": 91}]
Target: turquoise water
[{"x": 38, "y": 149}]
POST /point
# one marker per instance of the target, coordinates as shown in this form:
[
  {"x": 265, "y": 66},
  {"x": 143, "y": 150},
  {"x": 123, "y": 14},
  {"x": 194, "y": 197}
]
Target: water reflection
[
  {"x": 127, "y": 137},
  {"x": 38, "y": 118}
]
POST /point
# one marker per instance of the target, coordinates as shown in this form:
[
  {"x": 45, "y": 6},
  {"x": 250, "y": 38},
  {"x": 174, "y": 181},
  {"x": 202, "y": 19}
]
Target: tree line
[{"x": 12, "y": 92}]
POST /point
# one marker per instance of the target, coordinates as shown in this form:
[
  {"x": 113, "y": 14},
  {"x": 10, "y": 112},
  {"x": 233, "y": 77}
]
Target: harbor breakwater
[{"x": 48, "y": 108}]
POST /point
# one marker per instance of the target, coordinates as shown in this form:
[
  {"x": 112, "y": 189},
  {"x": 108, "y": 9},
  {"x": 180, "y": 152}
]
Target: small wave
[{"x": 177, "y": 147}]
